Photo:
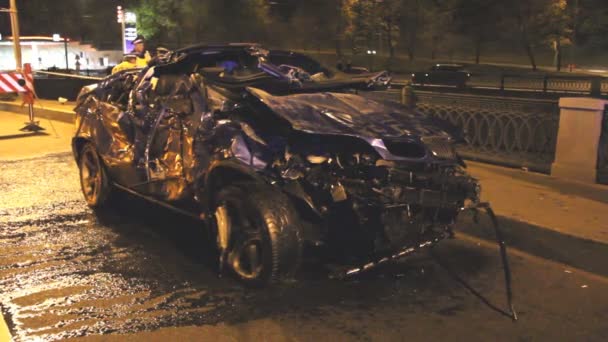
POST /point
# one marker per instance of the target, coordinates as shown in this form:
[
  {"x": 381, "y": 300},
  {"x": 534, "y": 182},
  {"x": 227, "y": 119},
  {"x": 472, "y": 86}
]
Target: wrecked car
[{"x": 278, "y": 161}]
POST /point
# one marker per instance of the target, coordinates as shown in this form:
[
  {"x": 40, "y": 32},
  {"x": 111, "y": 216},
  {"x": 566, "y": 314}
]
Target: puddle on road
[{"x": 66, "y": 272}]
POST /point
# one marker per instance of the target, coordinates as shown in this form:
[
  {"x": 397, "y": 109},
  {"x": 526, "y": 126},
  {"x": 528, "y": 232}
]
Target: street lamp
[
  {"x": 120, "y": 18},
  {"x": 15, "y": 31},
  {"x": 57, "y": 38}
]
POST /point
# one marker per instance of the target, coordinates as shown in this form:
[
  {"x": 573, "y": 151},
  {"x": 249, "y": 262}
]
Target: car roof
[{"x": 218, "y": 46}]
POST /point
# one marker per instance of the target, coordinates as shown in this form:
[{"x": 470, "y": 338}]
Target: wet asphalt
[{"x": 142, "y": 272}]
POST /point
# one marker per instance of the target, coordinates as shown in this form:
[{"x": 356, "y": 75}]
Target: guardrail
[
  {"x": 592, "y": 85},
  {"x": 52, "y": 74},
  {"x": 514, "y": 132},
  {"x": 52, "y": 85}
]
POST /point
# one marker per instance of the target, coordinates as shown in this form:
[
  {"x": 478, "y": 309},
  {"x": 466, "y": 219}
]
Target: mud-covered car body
[{"x": 368, "y": 179}]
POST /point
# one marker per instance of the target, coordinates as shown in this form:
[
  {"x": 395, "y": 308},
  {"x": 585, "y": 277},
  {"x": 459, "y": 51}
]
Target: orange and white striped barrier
[
  {"x": 22, "y": 82},
  {"x": 9, "y": 82}
]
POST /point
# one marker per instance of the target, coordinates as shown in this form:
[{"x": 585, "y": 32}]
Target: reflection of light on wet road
[{"x": 66, "y": 272}]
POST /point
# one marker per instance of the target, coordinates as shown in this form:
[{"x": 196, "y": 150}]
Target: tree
[
  {"x": 478, "y": 20},
  {"x": 410, "y": 25},
  {"x": 157, "y": 20},
  {"x": 363, "y": 24},
  {"x": 374, "y": 23},
  {"x": 523, "y": 14},
  {"x": 389, "y": 15},
  {"x": 437, "y": 20},
  {"x": 316, "y": 21},
  {"x": 180, "y": 22},
  {"x": 557, "y": 22}
]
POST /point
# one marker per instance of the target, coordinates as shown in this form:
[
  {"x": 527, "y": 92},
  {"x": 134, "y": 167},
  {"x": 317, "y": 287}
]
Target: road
[{"x": 141, "y": 272}]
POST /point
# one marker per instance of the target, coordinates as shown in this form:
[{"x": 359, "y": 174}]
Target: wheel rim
[
  {"x": 90, "y": 176},
  {"x": 246, "y": 250}
]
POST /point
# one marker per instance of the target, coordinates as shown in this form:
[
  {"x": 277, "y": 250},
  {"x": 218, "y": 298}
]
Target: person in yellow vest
[
  {"x": 139, "y": 49},
  {"x": 129, "y": 62}
]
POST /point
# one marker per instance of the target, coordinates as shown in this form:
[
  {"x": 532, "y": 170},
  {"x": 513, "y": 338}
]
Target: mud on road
[{"x": 68, "y": 272}]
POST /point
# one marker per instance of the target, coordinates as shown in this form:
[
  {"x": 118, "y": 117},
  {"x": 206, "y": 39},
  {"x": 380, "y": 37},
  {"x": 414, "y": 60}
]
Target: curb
[
  {"x": 66, "y": 115},
  {"x": 542, "y": 242}
]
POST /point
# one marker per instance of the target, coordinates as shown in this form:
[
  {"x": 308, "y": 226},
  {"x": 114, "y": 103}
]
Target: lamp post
[
  {"x": 65, "y": 47},
  {"x": 120, "y": 18},
  {"x": 15, "y": 31},
  {"x": 57, "y": 38}
]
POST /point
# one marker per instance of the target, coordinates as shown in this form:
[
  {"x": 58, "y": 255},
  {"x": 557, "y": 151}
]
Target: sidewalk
[
  {"x": 15, "y": 144},
  {"x": 552, "y": 218},
  {"x": 47, "y": 109}
]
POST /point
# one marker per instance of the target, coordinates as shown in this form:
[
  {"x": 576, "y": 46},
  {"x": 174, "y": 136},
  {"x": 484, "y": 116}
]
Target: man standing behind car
[
  {"x": 139, "y": 49},
  {"x": 129, "y": 62}
]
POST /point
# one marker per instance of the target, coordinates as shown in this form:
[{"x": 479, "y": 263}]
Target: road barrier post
[
  {"x": 408, "y": 97},
  {"x": 28, "y": 97}
]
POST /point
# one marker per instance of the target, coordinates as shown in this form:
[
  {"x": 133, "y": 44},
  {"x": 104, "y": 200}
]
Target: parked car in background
[{"x": 454, "y": 75}]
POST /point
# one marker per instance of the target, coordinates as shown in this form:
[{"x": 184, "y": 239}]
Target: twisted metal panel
[{"x": 510, "y": 132}]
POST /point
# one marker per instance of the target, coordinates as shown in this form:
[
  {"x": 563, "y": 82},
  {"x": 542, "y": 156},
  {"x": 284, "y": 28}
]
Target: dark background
[{"x": 519, "y": 31}]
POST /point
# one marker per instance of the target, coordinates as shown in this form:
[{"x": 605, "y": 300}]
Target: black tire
[
  {"x": 94, "y": 181},
  {"x": 264, "y": 245}
]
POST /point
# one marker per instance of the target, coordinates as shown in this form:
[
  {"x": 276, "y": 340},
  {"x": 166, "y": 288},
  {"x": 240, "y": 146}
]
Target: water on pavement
[{"x": 68, "y": 272}]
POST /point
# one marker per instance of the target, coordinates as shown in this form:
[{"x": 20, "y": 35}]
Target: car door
[
  {"x": 105, "y": 124},
  {"x": 440, "y": 76},
  {"x": 174, "y": 109}
]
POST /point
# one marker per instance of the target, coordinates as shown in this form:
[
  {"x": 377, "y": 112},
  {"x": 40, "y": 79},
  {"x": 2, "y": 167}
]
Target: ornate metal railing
[
  {"x": 594, "y": 86},
  {"x": 515, "y": 132}
]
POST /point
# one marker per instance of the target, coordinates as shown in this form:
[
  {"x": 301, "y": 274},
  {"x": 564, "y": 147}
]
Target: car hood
[{"x": 352, "y": 115}]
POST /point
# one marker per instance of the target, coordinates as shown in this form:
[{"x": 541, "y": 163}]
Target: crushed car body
[{"x": 278, "y": 160}]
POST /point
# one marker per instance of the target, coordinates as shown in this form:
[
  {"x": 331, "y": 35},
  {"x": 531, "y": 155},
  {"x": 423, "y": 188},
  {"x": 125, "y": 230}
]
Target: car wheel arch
[
  {"x": 220, "y": 174},
  {"x": 78, "y": 144}
]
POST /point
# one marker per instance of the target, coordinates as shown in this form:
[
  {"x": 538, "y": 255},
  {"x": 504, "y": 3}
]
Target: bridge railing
[
  {"x": 514, "y": 132},
  {"x": 595, "y": 86}
]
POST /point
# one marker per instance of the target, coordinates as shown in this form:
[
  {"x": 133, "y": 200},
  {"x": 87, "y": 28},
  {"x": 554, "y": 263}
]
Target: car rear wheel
[
  {"x": 94, "y": 182},
  {"x": 258, "y": 233}
]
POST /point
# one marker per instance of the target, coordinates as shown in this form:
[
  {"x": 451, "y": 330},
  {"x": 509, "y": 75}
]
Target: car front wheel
[{"x": 257, "y": 232}]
